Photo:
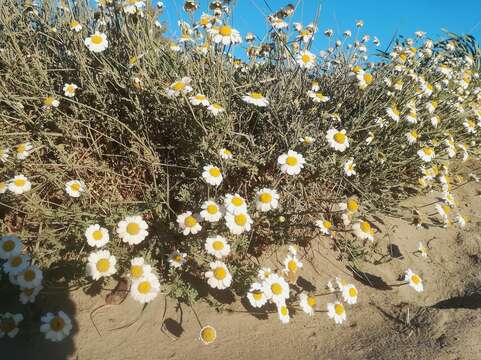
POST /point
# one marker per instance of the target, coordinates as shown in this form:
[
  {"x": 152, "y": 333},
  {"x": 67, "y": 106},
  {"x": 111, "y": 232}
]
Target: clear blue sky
[{"x": 382, "y": 17}]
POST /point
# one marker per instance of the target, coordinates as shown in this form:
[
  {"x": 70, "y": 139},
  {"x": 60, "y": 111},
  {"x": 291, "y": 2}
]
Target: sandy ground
[{"x": 443, "y": 322}]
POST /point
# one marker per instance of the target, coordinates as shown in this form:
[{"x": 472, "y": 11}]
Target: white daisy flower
[
  {"x": 435, "y": 120},
  {"x": 189, "y": 223},
  {"x": 177, "y": 259},
  {"x": 414, "y": 280},
  {"x": 97, "y": 42},
  {"x": 225, "y": 154},
  {"x": 264, "y": 273},
  {"x": 235, "y": 204},
  {"x": 283, "y": 312},
  {"x": 207, "y": 335},
  {"x": 139, "y": 268},
  {"x": 101, "y": 264},
  {"x": 431, "y": 106},
  {"x": 19, "y": 185},
  {"x": 145, "y": 288},
  {"x": 211, "y": 211},
  {"x": 393, "y": 112},
  {"x": 225, "y": 35},
  {"x": 212, "y": 175},
  {"x": 239, "y": 223},
  {"x": 69, "y": 89},
  {"x": 199, "y": 99},
  {"x": 23, "y": 150},
  {"x": 470, "y": 126},
  {"x": 423, "y": 249},
  {"x": 336, "y": 312},
  {"x": 96, "y": 235},
  {"x": 349, "y": 293},
  {"x": 50, "y": 102},
  {"x": 308, "y": 303},
  {"x": 75, "y": 25},
  {"x": 217, "y": 246},
  {"x": 256, "y": 296},
  {"x": 56, "y": 327},
  {"x": 179, "y": 87},
  {"x": 9, "y": 324},
  {"x": 426, "y": 154},
  {"x": 267, "y": 199},
  {"x": 132, "y": 230},
  {"x": 255, "y": 98},
  {"x": 31, "y": 277},
  {"x": 10, "y": 246},
  {"x": 412, "y": 136},
  {"x": 219, "y": 276},
  {"x": 349, "y": 168},
  {"x": 16, "y": 264},
  {"x": 216, "y": 109},
  {"x": 75, "y": 188},
  {"x": 276, "y": 289},
  {"x": 4, "y": 154},
  {"x": 325, "y": 226},
  {"x": 307, "y": 140},
  {"x": 363, "y": 230},
  {"x": 337, "y": 139},
  {"x": 291, "y": 162},
  {"x": 292, "y": 263},
  {"x": 306, "y": 60},
  {"x": 29, "y": 295},
  {"x": 318, "y": 97}
]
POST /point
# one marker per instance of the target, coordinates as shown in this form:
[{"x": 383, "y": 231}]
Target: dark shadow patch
[
  {"x": 368, "y": 279},
  {"x": 258, "y": 313},
  {"x": 94, "y": 288},
  {"x": 472, "y": 301},
  {"x": 394, "y": 251},
  {"x": 173, "y": 327},
  {"x": 306, "y": 285}
]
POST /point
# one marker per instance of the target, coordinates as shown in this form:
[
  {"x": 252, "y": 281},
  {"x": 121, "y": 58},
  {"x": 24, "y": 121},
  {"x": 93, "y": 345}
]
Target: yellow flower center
[
  {"x": 29, "y": 275},
  {"x": 240, "y": 219},
  {"x": 305, "y": 58},
  {"x": 218, "y": 245},
  {"x": 256, "y": 95},
  {"x": 144, "y": 287},
  {"x": 339, "y": 309},
  {"x": 57, "y": 323},
  {"x": 365, "y": 227},
  {"x": 190, "y": 221},
  {"x": 70, "y": 88},
  {"x": 257, "y": 295},
  {"x": 414, "y": 134},
  {"x": 291, "y": 161},
  {"x": 20, "y": 182},
  {"x": 96, "y": 39},
  {"x": 352, "y": 292},
  {"x": 292, "y": 265},
  {"x": 7, "y": 325},
  {"x": 136, "y": 271},
  {"x": 28, "y": 291},
  {"x": 311, "y": 301},
  {"x": 428, "y": 151},
  {"x": 276, "y": 288},
  {"x": 327, "y": 224},
  {"x": 340, "y": 138},
  {"x": 48, "y": 101},
  {"x": 356, "y": 69},
  {"x": 225, "y": 30},
  {"x": 178, "y": 258},
  {"x": 265, "y": 198},
  {"x": 103, "y": 265},
  {"x": 218, "y": 106},
  {"x": 227, "y": 152},
  {"x": 237, "y": 201},
  {"x": 133, "y": 228},
  {"x": 8, "y": 245},
  {"x": 284, "y": 311},
  {"x": 215, "y": 172},
  {"x": 200, "y": 97},
  {"x": 208, "y": 334},
  {"x": 415, "y": 279},
  {"x": 178, "y": 86},
  {"x": 74, "y": 23},
  {"x": 97, "y": 235},
  {"x": 368, "y": 78},
  {"x": 15, "y": 261},
  {"x": 220, "y": 273},
  {"x": 21, "y": 148},
  {"x": 352, "y": 205},
  {"x": 212, "y": 209},
  {"x": 75, "y": 186}
]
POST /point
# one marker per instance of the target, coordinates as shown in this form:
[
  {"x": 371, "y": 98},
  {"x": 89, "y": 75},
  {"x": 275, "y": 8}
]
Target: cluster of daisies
[
  {"x": 132, "y": 230},
  {"x": 22, "y": 272}
]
